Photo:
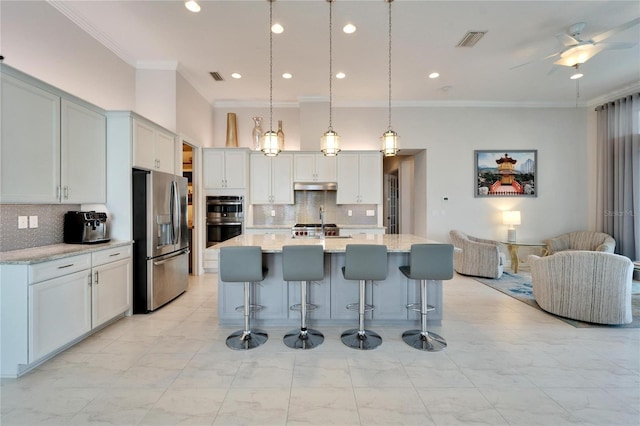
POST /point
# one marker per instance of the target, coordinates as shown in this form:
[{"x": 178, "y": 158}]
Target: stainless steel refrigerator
[{"x": 161, "y": 243}]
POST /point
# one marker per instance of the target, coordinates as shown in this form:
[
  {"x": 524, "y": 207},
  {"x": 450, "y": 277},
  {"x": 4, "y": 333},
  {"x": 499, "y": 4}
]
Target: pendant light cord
[
  {"x": 389, "y": 1},
  {"x": 270, "y": 67},
  {"x": 330, "y": 61}
]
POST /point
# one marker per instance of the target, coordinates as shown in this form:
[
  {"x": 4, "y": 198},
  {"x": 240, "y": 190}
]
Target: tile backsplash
[
  {"x": 49, "y": 230},
  {"x": 307, "y": 210}
]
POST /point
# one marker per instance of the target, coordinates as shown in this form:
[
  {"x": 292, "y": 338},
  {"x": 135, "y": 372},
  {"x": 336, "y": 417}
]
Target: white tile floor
[{"x": 506, "y": 363}]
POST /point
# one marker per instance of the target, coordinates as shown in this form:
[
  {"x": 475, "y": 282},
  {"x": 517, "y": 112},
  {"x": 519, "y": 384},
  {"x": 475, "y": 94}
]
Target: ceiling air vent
[
  {"x": 216, "y": 76},
  {"x": 471, "y": 38}
]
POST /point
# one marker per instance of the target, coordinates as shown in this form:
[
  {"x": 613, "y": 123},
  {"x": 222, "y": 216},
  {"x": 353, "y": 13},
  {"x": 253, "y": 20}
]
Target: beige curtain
[{"x": 618, "y": 173}]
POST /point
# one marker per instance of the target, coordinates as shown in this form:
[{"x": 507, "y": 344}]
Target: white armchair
[
  {"x": 581, "y": 240},
  {"x": 584, "y": 285},
  {"x": 476, "y": 256}
]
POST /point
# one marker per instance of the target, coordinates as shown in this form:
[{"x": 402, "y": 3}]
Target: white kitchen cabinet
[
  {"x": 110, "y": 284},
  {"x": 271, "y": 179},
  {"x": 313, "y": 167},
  {"x": 225, "y": 168},
  {"x": 59, "y": 312},
  {"x": 30, "y": 143},
  {"x": 83, "y": 154},
  {"x": 359, "y": 178},
  {"x": 55, "y": 144},
  {"x": 50, "y": 305},
  {"x": 153, "y": 147}
]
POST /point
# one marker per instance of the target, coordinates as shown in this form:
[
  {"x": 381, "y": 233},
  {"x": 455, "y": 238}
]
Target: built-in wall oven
[{"x": 225, "y": 218}]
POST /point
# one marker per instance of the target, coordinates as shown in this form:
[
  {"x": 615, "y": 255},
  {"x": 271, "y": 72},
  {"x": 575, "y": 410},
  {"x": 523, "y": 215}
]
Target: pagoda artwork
[{"x": 505, "y": 173}]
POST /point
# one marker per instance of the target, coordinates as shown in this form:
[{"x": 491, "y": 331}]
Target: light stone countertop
[
  {"x": 272, "y": 243},
  {"x": 53, "y": 252}
]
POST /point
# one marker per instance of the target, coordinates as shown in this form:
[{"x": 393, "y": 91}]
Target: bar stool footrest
[
  {"x": 417, "y": 307},
  {"x": 252, "y": 308},
  {"x": 356, "y": 307},
  {"x": 297, "y": 306}
]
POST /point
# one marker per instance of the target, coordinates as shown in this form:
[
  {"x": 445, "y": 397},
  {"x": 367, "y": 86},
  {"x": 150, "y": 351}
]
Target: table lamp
[{"x": 511, "y": 218}]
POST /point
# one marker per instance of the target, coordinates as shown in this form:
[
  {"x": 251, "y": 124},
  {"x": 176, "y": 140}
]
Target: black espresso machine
[{"x": 85, "y": 227}]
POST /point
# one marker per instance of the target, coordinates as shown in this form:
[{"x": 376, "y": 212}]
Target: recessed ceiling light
[
  {"x": 349, "y": 29},
  {"x": 340, "y": 75},
  {"x": 576, "y": 76},
  {"x": 192, "y": 5},
  {"x": 277, "y": 28},
  {"x": 236, "y": 75},
  {"x": 434, "y": 75},
  {"x": 287, "y": 75}
]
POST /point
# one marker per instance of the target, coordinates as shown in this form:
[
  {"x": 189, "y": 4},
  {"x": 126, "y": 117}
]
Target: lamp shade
[
  {"x": 330, "y": 143},
  {"x": 511, "y": 217}
]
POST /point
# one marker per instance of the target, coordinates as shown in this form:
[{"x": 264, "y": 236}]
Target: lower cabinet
[
  {"x": 59, "y": 312},
  {"x": 50, "y": 305},
  {"x": 110, "y": 291}
]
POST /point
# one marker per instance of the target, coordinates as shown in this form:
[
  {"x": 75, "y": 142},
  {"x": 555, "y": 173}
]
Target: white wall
[
  {"x": 194, "y": 115},
  {"x": 156, "y": 96},
  {"x": 38, "y": 40},
  {"x": 450, "y": 135}
]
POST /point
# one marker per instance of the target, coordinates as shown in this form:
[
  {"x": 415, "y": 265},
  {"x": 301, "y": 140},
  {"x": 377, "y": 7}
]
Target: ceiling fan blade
[
  {"x": 566, "y": 39},
  {"x": 605, "y": 35},
  {"x": 536, "y": 60},
  {"x": 553, "y": 69},
  {"x": 617, "y": 45}
]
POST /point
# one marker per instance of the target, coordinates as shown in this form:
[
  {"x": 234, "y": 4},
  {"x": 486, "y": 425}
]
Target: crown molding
[
  {"x": 66, "y": 8},
  {"x": 616, "y": 94}
]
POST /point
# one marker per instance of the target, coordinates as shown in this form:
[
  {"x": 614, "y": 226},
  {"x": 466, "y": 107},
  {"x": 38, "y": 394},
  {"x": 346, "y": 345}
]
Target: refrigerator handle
[{"x": 175, "y": 212}]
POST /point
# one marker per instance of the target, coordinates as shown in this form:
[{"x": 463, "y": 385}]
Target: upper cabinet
[
  {"x": 224, "y": 168},
  {"x": 153, "y": 147},
  {"x": 53, "y": 146},
  {"x": 313, "y": 167},
  {"x": 359, "y": 178},
  {"x": 83, "y": 155},
  {"x": 271, "y": 179}
]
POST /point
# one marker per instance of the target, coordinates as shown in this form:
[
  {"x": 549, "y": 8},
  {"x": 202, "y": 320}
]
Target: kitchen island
[{"x": 332, "y": 294}]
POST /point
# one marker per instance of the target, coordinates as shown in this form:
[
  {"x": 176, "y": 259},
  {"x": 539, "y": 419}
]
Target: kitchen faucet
[{"x": 322, "y": 221}]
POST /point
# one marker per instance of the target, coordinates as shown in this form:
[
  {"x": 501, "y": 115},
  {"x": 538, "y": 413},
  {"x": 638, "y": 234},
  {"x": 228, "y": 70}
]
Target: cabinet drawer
[
  {"x": 110, "y": 255},
  {"x": 58, "y": 268}
]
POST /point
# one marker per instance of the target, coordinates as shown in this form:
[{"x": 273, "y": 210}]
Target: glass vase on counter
[{"x": 256, "y": 134}]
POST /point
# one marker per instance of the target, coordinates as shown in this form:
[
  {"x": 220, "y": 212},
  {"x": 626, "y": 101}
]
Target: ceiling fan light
[
  {"x": 192, "y": 5},
  {"x": 390, "y": 142},
  {"x": 330, "y": 143},
  {"x": 578, "y": 54}
]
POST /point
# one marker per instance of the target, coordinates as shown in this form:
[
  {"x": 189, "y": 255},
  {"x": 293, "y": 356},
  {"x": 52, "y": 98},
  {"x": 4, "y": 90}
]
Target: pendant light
[
  {"x": 390, "y": 138},
  {"x": 271, "y": 143},
  {"x": 330, "y": 140}
]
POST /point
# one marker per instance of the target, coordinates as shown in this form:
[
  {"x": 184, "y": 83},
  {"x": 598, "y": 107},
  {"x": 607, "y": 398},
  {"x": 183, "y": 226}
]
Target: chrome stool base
[
  {"x": 429, "y": 342},
  {"x": 241, "y": 340},
  {"x": 303, "y": 339},
  {"x": 361, "y": 339}
]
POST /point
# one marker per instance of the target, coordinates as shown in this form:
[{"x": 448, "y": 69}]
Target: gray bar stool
[
  {"x": 427, "y": 262},
  {"x": 244, "y": 265},
  {"x": 363, "y": 262},
  {"x": 303, "y": 263}
]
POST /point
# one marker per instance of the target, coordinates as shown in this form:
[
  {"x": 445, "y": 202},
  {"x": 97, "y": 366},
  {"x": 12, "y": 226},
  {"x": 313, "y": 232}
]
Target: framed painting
[{"x": 506, "y": 173}]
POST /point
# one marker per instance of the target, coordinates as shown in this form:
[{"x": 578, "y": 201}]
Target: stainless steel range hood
[{"x": 315, "y": 186}]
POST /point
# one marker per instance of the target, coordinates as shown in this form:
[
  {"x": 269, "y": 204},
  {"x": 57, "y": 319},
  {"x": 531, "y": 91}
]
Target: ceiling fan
[{"x": 577, "y": 51}]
